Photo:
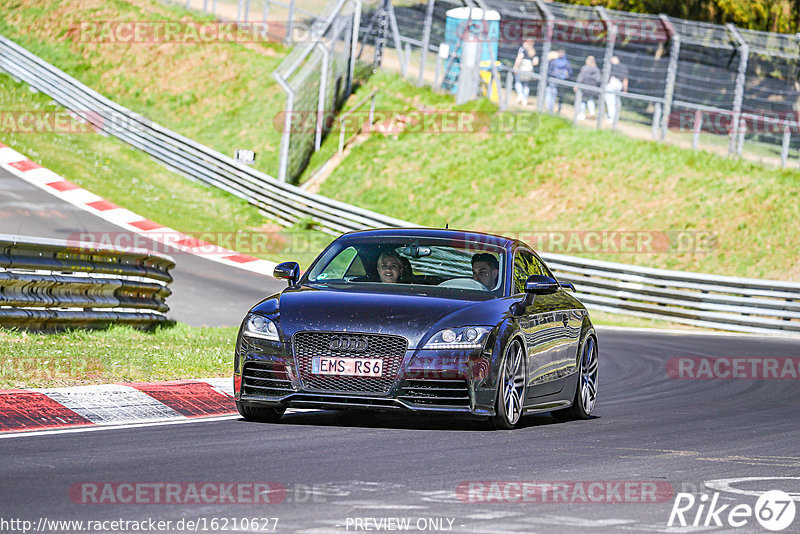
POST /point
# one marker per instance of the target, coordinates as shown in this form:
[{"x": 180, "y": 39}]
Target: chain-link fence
[
  {"x": 720, "y": 87},
  {"x": 711, "y": 84}
]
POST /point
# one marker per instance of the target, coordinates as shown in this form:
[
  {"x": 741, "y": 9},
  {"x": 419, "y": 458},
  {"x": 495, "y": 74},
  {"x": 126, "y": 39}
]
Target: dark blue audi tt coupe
[{"x": 421, "y": 320}]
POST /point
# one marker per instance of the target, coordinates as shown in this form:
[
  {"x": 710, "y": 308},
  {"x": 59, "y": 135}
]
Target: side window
[
  {"x": 525, "y": 265},
  {"x": 340, "y": 265}
]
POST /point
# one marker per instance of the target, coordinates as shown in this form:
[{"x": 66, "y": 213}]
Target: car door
[{"x": 542, "y": 324}]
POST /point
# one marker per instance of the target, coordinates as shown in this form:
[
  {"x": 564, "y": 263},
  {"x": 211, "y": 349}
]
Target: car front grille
[
  {"x": 441, "y": 392},
  {"x": 265, "y": 378},
  {"x": 390, "y": 349}
]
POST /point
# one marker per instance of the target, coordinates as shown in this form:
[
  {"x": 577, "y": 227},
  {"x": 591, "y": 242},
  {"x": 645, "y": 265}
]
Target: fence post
[
  {"x": 205, "y": 6},
  {"x": 426, "y": 43},
  {"x": 398, "y": 44},
  {"x": 323, "y": 87},
  {"x": 188, "y": 4},
  {"x": 286, "y": 135},
  {"x": 738, "y": 96},
  {"x": 547, "y": 44},
  {"x": 247, "y": 10},
  {"x": 696, "y": 127},
  {"x": 213, "y": 7},
  {"x": 239, "y": 8},
  {"x": 290, "y": 25},
  {"x": 356, "y": 28},
  {"x": 407, "y": 58},
  {"x": 265, "y": 13},
  {"x": 672, "y": 72},
  {"x": 611, "y": 37}
]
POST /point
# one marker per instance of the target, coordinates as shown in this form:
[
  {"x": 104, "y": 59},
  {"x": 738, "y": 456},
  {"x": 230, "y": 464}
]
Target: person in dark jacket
[
  {"x": 589, "y": 75},
  {"x": 560, "y": 69}
]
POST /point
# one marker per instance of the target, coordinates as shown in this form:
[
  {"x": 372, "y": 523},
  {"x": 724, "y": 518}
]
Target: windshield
[{"x": 406, "y": 263}]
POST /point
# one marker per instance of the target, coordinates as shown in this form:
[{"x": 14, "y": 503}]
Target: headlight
[
  {"x": 257, "y": 326},
  {"x": 465, "y": 337}
]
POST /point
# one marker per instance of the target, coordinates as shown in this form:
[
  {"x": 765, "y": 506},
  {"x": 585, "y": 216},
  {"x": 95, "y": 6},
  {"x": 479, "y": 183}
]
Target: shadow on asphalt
[{"x": 361, "y": 419}]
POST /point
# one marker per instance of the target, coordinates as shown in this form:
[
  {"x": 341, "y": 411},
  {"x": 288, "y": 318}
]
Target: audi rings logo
[{"x": 348, "y": 344}]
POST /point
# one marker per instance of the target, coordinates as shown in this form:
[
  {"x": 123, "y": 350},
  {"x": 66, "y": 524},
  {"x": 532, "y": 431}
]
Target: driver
[
  {"x": 485, "y": 269},
  {"x": 389, "y": 267}
]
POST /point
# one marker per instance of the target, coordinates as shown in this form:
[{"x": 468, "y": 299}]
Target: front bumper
[{"x": 427, "y": 381}]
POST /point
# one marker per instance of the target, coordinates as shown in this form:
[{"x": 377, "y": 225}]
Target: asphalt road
[
  {"x": 338, "y": 468},
  {"x": 205, "y": 293}
]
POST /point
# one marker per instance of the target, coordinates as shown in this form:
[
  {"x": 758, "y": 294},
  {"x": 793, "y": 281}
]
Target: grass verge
[{"x": 116, "y": 354}]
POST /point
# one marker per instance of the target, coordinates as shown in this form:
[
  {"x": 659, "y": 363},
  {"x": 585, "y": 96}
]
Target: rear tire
[
  {"x": 510, "y": 388},
  {"x": 586, "y": 390},
  {"x": 261, "y": 414}
]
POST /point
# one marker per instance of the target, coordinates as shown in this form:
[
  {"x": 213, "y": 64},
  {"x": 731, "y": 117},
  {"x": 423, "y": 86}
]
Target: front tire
[
  {"x": 510, "y": 388},
  {"x": 586, "y": 390},
  {"x": 261, "y": 414}
]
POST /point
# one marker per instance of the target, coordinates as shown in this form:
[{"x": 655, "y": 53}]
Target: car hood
[{"x": 410, "y": 316}]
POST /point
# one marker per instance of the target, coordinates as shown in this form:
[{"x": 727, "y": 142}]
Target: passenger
[
  {"x": 390, "y": 267},
  {"x": 485, "y": 269}
]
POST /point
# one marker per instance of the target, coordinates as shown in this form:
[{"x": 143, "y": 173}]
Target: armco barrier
[
  {"x": 723, "y": 302},
  {"x": 284, "y": 202},
  {"x": 48, "y": 284},
  {"x": 736, "y": 304}
]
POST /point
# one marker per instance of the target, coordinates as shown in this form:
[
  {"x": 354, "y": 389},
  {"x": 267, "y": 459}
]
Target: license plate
[{"x": 347, "y": 366}]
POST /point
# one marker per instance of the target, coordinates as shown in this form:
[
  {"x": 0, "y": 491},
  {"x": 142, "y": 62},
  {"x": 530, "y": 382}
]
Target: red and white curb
[
  {"x": 26, "y": 410},
  {"x": 47, "y": 180}
]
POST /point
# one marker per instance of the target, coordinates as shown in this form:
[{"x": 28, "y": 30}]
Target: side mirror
[
  {"x": 539, "y": 284},
  {"x": 567, "y": 286},
  {"x": 289, "y": 271}
]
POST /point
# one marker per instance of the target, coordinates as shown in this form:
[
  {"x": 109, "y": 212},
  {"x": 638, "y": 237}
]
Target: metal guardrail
[
  {"x": 722, "y": 302},
  {"x": 48, "y": 284},
  {"x": 287, "y": 204},
  {"x": 737, "y": 304}
]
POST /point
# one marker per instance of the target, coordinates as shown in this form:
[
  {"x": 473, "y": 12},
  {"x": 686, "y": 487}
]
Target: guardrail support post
[
  {"x": 696, "y": 127},
  {"x": 578, "y": 105},
  {"x": 656, "y": 120},
  {"x": 787, "y": 134}
]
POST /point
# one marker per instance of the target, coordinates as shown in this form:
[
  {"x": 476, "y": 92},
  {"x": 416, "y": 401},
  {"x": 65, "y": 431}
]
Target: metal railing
[
  {"x": 699, "y": 299},
  {"x": 705, "y": 300},
  {"x": 48, "y": 284},
  {"x": 283, "y": 202}
]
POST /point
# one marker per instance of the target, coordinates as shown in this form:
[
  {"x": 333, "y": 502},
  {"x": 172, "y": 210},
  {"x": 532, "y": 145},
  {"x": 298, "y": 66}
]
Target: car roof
[{"x": 458, "y": 235}]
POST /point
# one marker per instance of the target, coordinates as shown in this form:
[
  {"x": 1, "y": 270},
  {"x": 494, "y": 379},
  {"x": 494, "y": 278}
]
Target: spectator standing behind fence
[
  {"x": 617, "y": 83},
  {"x": 523, "y": 68},
  {"x": 561, "y": 69},
  {"x": 589, "y": 75}
]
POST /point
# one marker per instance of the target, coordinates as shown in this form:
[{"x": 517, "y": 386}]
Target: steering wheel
[{"x": 463, "y": 283}]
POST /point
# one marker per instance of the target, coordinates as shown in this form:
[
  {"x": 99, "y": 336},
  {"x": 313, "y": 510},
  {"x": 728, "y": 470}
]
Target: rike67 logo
[{"x": 774, "y": 510}]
